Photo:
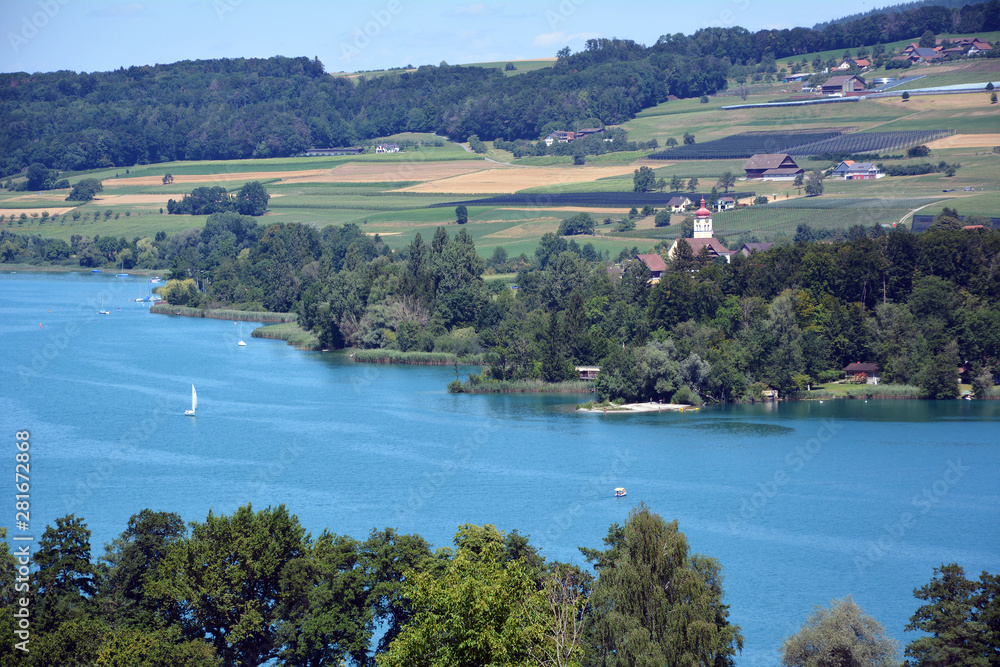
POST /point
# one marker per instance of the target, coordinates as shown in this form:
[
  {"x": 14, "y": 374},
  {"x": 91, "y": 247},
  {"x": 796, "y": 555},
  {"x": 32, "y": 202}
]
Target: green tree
[
  {"x": 252, "y": 199},
  {"x": 130, "y": 559},
  {"x": 726, "y": 181},
  {"x": 676, "y": 184},
  {"x": 324, "y": 612},
  {"x": 225, "y": 580},
  {"x": 799, "y": 182},
  {"x": 814, "y": 186},
  {"x": 461, "y": 214},
  {"x": 39, "y": 177},
  {"x": 662, "y": 218},
  {"x": 906, "y": 95},
  {"x": 838, "y": 636},
  {"x": 481, "y": 610},
  {"x": 693, "y": 184},
  {"x": 168, "y": 178},
  {"x": 581, "y": 223},
  {"x": 927, "y": 40},
  {"x": 654, "y": 603},
  {"x": 65, "y": 577},
  {"x": 85, "y": 189},
  {"x": 644, "y": 179},
  {"x": 688, "y": 138},
  {"x": 956, "y": 636},
  {"x": 671, "y": 142}
]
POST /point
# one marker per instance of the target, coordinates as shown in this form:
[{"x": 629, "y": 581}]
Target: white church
[{"x": 703, "y": 236}]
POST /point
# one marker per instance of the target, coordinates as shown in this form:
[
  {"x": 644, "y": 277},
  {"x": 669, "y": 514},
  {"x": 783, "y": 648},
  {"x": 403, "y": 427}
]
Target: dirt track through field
[
  {"x": 510, "y": 181},
  {"x": 967, "y": 141}
]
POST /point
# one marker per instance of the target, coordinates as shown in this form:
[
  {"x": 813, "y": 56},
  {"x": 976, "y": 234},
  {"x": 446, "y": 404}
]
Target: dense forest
[
  {"x": 254, "y": 588},
  {"x": 242, "y": 108},
  {"x": 919, "y": 305}
]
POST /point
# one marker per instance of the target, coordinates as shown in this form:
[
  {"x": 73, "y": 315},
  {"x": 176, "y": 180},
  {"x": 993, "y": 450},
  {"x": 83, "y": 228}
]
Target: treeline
[
  {"x": 254, "y": 588},
  {"x": 247, "y": 107},
  {"x": 917, "y": 305}
]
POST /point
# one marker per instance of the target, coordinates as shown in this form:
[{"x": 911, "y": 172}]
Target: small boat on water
[
  {"x": 194, "y": 403},
  {"x": 103, "y": 311},
  {"x": 154, "y": 280},
  {"x": 241, "y": 343},
  {"x": 619, "y": 492},
  {"x": 96, "y": 271}
]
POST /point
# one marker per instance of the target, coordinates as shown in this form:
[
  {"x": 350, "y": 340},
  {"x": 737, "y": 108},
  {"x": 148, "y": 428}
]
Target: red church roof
[{"x": 702, "y": 212}]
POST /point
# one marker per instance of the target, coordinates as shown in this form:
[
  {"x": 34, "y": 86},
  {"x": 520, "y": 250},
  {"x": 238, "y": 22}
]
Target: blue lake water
[{"x": 800, "y": 502}]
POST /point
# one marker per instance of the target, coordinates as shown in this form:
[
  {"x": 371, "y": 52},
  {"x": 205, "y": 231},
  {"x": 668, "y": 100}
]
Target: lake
[{"x": 800, "y": 502}]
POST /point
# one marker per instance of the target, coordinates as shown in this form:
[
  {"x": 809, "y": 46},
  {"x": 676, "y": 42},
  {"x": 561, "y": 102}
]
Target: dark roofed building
[
  {"x": 748, "y": 248},
  {"x": 870, "y": 372},
  {"x": 772, "y": 165},
  {"x": 655, "y": 264},
  {"x": 844, "y": 83}
]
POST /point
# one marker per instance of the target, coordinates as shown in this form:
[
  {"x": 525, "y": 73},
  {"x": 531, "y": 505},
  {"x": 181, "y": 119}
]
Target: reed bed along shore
[
  {"x": 520, "y": 387},
  {"x": 417, "y": 358},
  {"x": 224, "y": 314},
  {"x": 291, "y": 333},
  {"x": 897, "y": 391}
]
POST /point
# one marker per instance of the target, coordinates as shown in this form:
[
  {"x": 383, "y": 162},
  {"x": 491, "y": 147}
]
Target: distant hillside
[{"x": 893, "y": 9}]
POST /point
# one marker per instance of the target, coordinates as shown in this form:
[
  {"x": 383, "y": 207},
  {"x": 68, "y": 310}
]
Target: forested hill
[{"x": 241, "y": 108}]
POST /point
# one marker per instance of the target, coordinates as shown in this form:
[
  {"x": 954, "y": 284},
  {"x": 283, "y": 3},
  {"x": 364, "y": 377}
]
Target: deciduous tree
[
  {"x": 654, "y": 603},
  {"x": 840, "y": 636}
]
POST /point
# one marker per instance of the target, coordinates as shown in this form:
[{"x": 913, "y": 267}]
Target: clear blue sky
[{"x": 93, "y": 35}]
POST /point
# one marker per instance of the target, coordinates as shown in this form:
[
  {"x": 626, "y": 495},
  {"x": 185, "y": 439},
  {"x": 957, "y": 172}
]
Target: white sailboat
[
  {"x": 194, "y": 402},
  {"x": 102, "y": 311},
  {"x": 241, "y": 343}
]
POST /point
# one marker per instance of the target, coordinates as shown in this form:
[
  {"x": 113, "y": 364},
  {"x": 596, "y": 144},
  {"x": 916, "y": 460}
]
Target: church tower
[{"x": 703, "y": 222}]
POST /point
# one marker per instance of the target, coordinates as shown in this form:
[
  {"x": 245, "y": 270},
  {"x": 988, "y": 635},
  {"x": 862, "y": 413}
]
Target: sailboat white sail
[
  {"x": 103, "y": 311},
  {"x": 194, "y": 402},
  {"x": 241, "y": 343}
]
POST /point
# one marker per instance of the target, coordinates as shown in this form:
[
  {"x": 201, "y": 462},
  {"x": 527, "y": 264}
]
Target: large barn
[{"x": 772, "y": 166}]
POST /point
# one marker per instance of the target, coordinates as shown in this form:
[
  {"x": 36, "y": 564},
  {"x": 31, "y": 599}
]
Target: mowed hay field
[{"x": 515, "y": 179}]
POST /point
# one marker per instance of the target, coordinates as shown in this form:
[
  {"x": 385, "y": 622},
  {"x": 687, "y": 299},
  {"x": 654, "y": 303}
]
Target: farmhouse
[
  {"x": 849, "y": 170},
  {"x": 842, "y": 84},
  {"x": 860, "y": 63},
  {"x": 923, "y": 55},
  {"x": 387, "y": 148},
  {"x": 772, "y": 167},
  {"x": 350, "y": 150},
  {"x": 566, "y": 136},
  {"x": 724, "y": 204},
  {"x": 655, "y": 264},
  {"x": 678, "y": 204}
]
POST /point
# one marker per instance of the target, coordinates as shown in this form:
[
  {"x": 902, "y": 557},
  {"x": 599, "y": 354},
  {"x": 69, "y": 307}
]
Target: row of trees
[
  {"x": 254, "y": 587},
  {"x": 251, "y": 199}
]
